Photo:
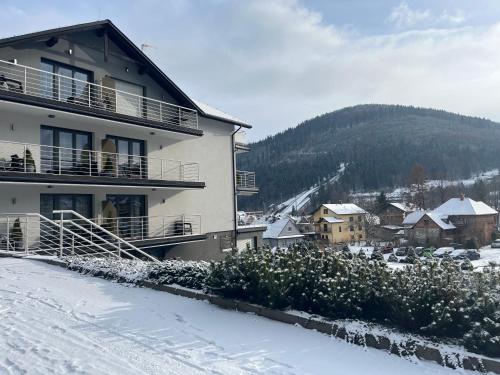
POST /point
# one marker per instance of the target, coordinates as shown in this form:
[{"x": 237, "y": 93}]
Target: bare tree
[{"x": 417, "y": 186}]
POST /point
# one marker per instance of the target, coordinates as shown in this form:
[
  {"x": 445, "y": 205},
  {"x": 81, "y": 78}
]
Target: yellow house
[{"x": 340, "y": 223}]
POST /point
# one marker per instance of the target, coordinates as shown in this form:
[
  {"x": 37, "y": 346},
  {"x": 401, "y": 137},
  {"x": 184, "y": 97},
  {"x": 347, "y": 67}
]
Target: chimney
[{"x": 462, "y": 196}]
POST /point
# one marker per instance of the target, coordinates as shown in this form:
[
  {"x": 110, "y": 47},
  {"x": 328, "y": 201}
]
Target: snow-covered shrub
[
  {"x": 189, "y": 274},
  {"x": 436, "y": 300},
  {"x": 393, "y": 258}
]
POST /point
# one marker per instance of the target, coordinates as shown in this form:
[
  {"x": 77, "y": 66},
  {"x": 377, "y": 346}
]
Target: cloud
[
  {"x": 403, "y": 16},
  {"x": 277, "y": 63}
]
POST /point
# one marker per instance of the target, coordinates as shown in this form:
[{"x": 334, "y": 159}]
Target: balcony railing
[
  {"x": 33, "y": 233},
  {"x": 39, "y": 83},
  {"x": 245, "y": 180},
  {"x": 33, "y": 158}
]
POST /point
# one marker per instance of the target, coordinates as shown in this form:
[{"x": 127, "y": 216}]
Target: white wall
[{"x": 213, "y": 152}]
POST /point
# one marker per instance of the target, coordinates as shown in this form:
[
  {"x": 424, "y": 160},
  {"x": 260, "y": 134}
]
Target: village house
[
  {"x": 282, "y": 233},
  {"x": 391, "y": 221},
  {"x": 336, "y": 223},
  {"x": 459, "y": 220}
]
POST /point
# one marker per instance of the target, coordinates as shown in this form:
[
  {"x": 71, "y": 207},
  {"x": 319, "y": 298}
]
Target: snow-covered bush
[
  {"x": 189, "y": 274},
  {"x": 436, "y": 300}
]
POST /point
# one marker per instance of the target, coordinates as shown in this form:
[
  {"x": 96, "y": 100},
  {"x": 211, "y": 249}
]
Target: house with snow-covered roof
[
  {"x": 343, "y": 222},
  {"x": 282, "y": 233},
  {"x": 457, "y": 220},
  {"x": 394, "y": 213}
]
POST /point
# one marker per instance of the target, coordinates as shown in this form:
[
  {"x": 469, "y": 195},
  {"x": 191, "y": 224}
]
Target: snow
[
  {"x": 209, "y": 110},
  {"x": 401, "y": 206},
  {"x": 58, "y": 321},
  {"x": 332, "y": 220},
  {"x": 302, "y": 199},
  {"x": 399, "y": 192},
  {"x": 439, "y": 218},
  {"x": 465, "y": 206},
  {"x": 413, "y": 218},
  {"x": 345, "y": 208}
]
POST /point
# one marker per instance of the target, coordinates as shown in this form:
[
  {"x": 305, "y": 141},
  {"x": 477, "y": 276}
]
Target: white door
[{"x": 129, "y": 98}]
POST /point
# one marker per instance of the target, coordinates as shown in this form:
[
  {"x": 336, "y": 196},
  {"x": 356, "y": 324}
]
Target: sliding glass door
[
  {"x": 66, "y": 151},
  {"x": 130, "y": 214},
  {"x": 65, "y": 83},
  {"x": 131, "y": 161}
]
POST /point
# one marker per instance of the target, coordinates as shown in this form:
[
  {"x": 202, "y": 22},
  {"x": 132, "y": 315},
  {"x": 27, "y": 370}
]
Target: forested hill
[{"x": 379, "y": 144}]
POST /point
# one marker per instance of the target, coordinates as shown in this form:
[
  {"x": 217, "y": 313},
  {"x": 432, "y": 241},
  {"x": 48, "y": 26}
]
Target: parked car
[
  {"x": 387, "y": 249},
  {"x": 440, "y": 252},
  {"x": 419, "y": 250},
  {"x": 427, "y": 252},
  {"x": 402, "y": 252},
  {"x": 472, "y": 254},
  {"x": 495, "y": 244},
  {"x": 456, "y": 245},
  {"x": 458, "y": 254}
]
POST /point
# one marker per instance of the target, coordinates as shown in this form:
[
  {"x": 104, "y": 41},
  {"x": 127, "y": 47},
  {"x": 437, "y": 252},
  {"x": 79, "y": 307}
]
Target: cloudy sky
[{"x": 277, "y": 63}]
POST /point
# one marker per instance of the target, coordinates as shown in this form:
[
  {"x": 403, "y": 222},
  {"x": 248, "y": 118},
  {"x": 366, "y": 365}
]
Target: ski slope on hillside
[
  {"x": 60, "y": 322},
  {"x": 302, "y": 199}
]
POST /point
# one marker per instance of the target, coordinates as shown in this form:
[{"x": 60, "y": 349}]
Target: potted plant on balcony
[
  {"x": 16, "y": 235},
  {"x": 29, "y": 162}
]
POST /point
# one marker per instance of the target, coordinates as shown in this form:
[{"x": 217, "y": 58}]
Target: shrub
[
  {"x": 436, "y": 300},
  {"x": 188, "y": 274}
]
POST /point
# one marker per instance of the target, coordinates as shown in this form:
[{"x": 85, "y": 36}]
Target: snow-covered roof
[
  {"x": 209, "y": 110},
  {"x": 400, "y": 206},
  {"x": 345, "y": 208},
  {"x": 392, "y": 227},
  {"x": 413, "y": 217},
  {"x": 332, "y": 220},
  {"x": 465, "y": 206},
  {"x": 439, "y": 218},
  {"x": 274, "y": 229}
]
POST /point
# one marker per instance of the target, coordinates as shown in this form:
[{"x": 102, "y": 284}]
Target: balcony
[
  {"x": 240, "y": 142},
  {"x": 245, "y": 183},
  {"x": 23, "y": 162},
  {"x": 37, "y": 87},
  {"x": 33, "y": 233}
]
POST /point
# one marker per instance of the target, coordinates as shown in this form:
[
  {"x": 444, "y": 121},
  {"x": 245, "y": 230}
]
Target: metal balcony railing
[
  {"x": 33, "y": 158},
  {"x": 245, "y": 180},
  {"x": 42, "y": 84},
  {"x": 70, "y": 233}
]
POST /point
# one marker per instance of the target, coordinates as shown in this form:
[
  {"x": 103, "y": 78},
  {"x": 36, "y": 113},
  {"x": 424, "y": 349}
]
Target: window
[
  {"x": 289, "y": 229},
  {"x": 325, "y": 211},
  {"x": 126, "y": 214},
  {"x": 81, "y": 203},
  {"x": 360, "y": 227},
  {"x": 426, "y": 221},
  {"x": 340, "y": 228},
  {"x": 351, "y": 228},
  {"x": 131, "y": 161},
  {"x": 359, "y": 218},
  {"x": 325, "y": 227},
  {"x": 360, "y": 236},
  {"x": 351, "y": 218},
  {"x": 71, "y": 89},
  {"x": 65, "y": 151}
]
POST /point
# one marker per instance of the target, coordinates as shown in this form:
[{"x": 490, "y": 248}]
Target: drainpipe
[{"x": 235, "y": 194}]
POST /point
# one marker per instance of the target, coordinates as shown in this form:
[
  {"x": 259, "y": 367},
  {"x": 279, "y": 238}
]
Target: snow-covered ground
[
  {"x": 398, "y": 193},
  {"x": 302, "y": 199},
  {"x": 60, "y": 322}
]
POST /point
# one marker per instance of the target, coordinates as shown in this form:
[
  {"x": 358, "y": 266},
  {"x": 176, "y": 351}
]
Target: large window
[
  {"x": 66, "y": 151},
  {"x": 80, "y": 203},
  {"x": 126, "y": 215},
  {"x": 67, "y": 83},
  {"x": 131, "y": 161}
]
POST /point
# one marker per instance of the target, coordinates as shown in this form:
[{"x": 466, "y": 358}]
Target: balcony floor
[
  {"x": 53, "y": 179},
  {"x": 10, "y": 96}
]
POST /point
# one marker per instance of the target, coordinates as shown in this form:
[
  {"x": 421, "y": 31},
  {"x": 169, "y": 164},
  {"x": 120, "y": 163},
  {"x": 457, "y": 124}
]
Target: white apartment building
[{"x": 89, "y": 124}]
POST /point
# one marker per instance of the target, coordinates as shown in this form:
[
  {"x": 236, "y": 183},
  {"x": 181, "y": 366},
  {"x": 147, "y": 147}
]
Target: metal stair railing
[{"x": 121, "y": 245}]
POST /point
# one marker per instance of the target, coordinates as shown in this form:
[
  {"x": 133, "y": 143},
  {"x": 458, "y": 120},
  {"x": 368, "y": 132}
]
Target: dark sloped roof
[{"x": 132, "y": 50}]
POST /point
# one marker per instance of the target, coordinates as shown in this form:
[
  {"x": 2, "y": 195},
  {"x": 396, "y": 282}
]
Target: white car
[
  {"x": 440, "y": 252},
  {"x": 495, "y": 244}
]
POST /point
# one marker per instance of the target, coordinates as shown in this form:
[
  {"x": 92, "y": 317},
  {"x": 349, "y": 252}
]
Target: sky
[{"x": 276, "y": 63}]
